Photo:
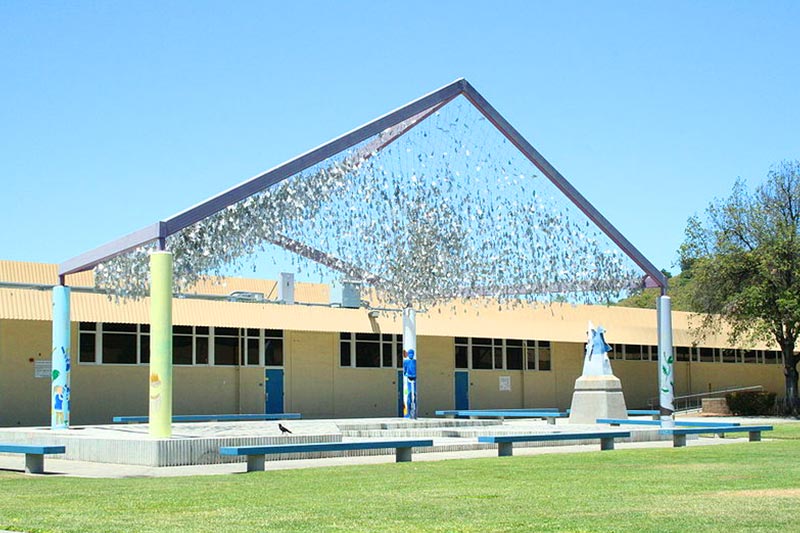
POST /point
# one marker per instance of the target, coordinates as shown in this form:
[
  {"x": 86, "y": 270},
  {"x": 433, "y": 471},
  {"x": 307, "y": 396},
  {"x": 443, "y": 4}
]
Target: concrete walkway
[{"x": 61, "y": 467}]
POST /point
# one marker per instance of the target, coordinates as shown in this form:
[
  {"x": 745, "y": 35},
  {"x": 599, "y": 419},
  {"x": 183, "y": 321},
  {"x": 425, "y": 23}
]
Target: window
[
  {"x": 682, "y": 353},
  {"x": 87, "y": 338},
  {"x": 182, "y": 345},
  {"x": 119, "y": 346},
  {"x": 513, "y": 354},
  {"x": 543, "y": 349},
  {"x": 481, "y": 353},
  {"x": 706, "y": 355},
  {"x": 616, "y": 352},
  {"x": 635, "y": 352},
  {"x": 273, "y": 347},
  {"x": 530, "y": 355},
  {"x": 370, "y": 350},
  {"x": 462, "y": 352},
  {"x": 201, "y": 345},
  {"x": 226, "y": 346},
  {"x": 728, "y": 355},
  {"x": 345, "y": 348},
  {"x": 750, "y": 356},
  {"x": 191, "y": 345}
]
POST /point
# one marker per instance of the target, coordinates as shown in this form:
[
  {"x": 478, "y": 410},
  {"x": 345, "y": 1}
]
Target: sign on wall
[
  {"x": 505, "y": 383},
  {"x": 41, "y": 368}
]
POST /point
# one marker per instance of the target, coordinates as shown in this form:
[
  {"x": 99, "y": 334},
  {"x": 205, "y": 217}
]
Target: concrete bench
[
  {"x": 548, "y": 415},
  {"x": 256, "y": 454},
  {"x": 655, "y": 414},
  {"x": 210, "y": 418},
  {"x": 34, "y": 454},
  {"x": 506, "y": 442},
  {"x": 680, "y": 423},
  {"x": 679, "y": 434}
]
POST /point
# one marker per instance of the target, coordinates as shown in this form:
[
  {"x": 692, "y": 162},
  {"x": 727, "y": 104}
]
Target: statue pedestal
[{"x": 597, "y": 397}]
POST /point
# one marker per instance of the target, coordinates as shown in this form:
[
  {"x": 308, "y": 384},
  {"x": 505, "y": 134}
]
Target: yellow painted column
[{"x": 160, "y": 345}]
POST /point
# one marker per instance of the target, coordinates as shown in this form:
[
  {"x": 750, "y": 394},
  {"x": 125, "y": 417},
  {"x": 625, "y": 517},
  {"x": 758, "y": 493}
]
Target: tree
[
  {"x": 744, "y": 259},
  {"x": 677, "y": 290}
]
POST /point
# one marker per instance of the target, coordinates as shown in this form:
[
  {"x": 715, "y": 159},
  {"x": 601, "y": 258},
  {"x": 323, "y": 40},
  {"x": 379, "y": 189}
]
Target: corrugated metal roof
[
  {"x": 558, "y": 322},
  {"x": 47, "y": 274},
  {"x": 43, "y": 273}
]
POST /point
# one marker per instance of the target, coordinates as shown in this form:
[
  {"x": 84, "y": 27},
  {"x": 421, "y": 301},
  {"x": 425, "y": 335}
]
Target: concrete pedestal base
[{"x": 597, "y": 397}]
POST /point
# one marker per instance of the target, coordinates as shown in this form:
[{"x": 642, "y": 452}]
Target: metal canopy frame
[{"x": 422, "y": 106}]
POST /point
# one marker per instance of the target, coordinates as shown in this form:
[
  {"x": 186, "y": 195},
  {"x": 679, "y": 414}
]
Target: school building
[{"x": 237, "y": 350}]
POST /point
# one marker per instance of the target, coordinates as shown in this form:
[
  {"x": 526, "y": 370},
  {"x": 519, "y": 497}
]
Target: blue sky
[{"x": 114, "y": 115}]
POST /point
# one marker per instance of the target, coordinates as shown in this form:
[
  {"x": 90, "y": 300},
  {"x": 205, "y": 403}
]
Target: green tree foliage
[
  {"x": 678, "y": 291},
  {"x": 744, "y": 260}
]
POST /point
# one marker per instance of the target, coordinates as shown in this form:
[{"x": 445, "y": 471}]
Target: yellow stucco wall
[
  {"x": 310, "y": 359},
  {"x": 24, "y": 400},
  {"x": 316, "y": 386},
  {"x": 435, "y": 369}
]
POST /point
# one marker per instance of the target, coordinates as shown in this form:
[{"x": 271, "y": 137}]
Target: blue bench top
[
  {"x": 716, "y": 429},
  {"x": 219, "y": 418},
  {"x": 35, "y": 449},
  {"x": 321, "y": 447},
  {"x": 505, "y": 413},
  {"x": 554, "y": 436},
  {"x": 528, "y": 410},
  {"x": 682, "y": 423}
]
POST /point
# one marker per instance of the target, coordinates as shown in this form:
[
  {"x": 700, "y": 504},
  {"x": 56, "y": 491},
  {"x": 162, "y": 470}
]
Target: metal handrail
[{"x": 694, "y": 401}]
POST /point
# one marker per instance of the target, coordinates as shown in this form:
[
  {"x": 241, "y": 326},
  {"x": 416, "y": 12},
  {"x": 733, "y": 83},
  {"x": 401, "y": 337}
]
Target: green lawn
[{"x": 735, "y": 487}]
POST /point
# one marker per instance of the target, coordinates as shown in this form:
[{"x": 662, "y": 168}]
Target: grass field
[{"x": 734, "y": 487}]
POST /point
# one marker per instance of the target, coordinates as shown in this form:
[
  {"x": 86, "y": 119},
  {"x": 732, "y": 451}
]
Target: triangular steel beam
[{"x": 420, "y": 109}]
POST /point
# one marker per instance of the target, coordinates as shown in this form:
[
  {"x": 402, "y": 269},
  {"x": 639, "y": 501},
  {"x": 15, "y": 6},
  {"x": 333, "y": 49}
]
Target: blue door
[
  {"x": 273, "y": 390},
  {"x": 462, "y": 390},
  {"x": 399, "y": 393}
]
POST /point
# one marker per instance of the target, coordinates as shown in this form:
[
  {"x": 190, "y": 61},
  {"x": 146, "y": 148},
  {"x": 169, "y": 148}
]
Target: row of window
[
  {"x": 478, "y": 353},
  {"x": 129, "y": 344},
  {"x": 636, "y": 352}
]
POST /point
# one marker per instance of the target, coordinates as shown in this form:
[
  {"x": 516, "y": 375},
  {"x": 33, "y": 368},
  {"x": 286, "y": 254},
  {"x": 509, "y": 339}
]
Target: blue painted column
[
  {"x": 666, "y": 359},
  {"x": 60, "y": 367},
  {"x": 409, "y": 363}
]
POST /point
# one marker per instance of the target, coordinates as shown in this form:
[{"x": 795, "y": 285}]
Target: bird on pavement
[{"x": 283, "y": 429}]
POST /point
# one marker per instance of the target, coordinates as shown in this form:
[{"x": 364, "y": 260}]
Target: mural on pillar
[
  {"x": 667, "y": 383},
  {"x": 155, "y": 392},
  {"x": 60, "y": 387},
  {"x": 436, "y": 209}
]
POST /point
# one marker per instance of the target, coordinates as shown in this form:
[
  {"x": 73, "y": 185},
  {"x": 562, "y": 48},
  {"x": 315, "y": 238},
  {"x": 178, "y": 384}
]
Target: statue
[
  {"x": 598, "y": 393},
  {"x": 410, "y": 384},
  {"x": 596, "y": 362}
]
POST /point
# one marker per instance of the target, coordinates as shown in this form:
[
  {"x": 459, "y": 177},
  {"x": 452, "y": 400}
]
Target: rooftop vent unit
[
  {"x": 246, "y": 296},
  {"x": 351, "y": 294},
  {"x": 286, "y": 288}
]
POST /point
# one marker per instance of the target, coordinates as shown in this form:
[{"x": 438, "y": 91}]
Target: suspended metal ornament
[{"x": 438, "y": 208}]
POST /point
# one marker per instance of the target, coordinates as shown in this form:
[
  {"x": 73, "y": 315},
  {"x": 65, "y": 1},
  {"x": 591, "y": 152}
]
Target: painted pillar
[
  {"x": 160, "y": 344},
  {"x": 60, "y": 367},
  {"x": 666, "y": 375},
  {"x": 409, "y": 363}
]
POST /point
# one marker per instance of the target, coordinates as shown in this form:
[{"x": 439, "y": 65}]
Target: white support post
[
  {"x": 666, "y": 374},
  {"x": 409, "y": 363}
]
